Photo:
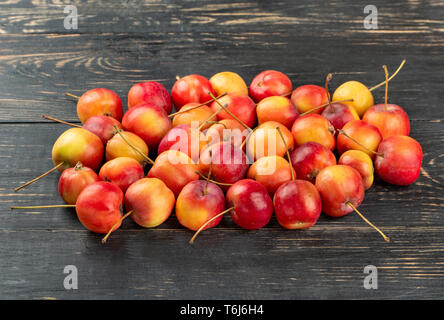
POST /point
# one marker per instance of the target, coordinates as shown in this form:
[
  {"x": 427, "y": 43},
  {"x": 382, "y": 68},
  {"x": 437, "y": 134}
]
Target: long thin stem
[
  {"x": 340, "y": 131},
  {"x": 39, "y": 177},
  {"x": 208, "y": 222},
  {"x": 391, "y": 77},
  {"x": 386, "y": 86},
  {"x": 387, "y": 239},
  {"x": 327, "y": 80},
  {"x": 115, "y": 225},
  {"x": 119, "y": 132},
  {"x": 44, "y": 207},
  {"x": 288, "y": 153},
  {"x": 213, "y": 181},
  {"x": 323, "y": 106},
  {"x": 61, "y": 121},
  {"x": 229, "y": 112},
  {"x": 195, "y": 107},
  {"x": 72, "y": 95},
  {"x": 209, "y": 119}
]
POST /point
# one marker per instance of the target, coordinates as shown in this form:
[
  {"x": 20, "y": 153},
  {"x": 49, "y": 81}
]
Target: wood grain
[{"x": 119, "y": 43}]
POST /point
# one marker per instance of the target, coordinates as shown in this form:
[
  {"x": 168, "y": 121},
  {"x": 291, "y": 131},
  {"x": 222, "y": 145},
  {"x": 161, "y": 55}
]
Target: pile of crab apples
[{"x": 230, "y": 148}]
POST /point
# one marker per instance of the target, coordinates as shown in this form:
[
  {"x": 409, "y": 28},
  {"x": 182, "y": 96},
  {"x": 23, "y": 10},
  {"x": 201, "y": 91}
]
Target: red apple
[
  {"x": 102, "y": 126},
  {"x": 309, "y": 97},
  {"x": 123, "y": 171},
  {"x": 399, "y": 160},
  {"x": 390, "y": 121},
  {"x": 149, "y": 122},
  {"x": 151, "y": 202},
  {"x": 238, "y": 104},
  {"x": 269, "y": 83},
  {"x": 74, "y": 180},
  {"x": 361, "y": 162},
  {"x": 366, "y": 134},
  {"x": 276, "y": 108},
  {"x": 252, "y": 205},
  {"x": 175, "y": 169},
  {"x": 310, "y": 158},
  {"x": 313, "y": 128},
  {"x": 199, "y": 202},
  {"x": 98, "y": 207},
  {"x": 99, "y": 102},
  {"x": 150, "y": 92},
  {"x": 192, "y": 88},
  {"x": 339, "y": 114},
  {"x": 77, "y": 145},
  {"x": 297, "y": 204}
]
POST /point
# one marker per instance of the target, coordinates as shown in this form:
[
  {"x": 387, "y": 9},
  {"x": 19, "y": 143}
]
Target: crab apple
[
  {"x": 175, "y": 169},
  {"x": 361, "y": 96},
  {"x": 359, "y": 135},
  {"x": 99, "y": 206},
  {"x": 151, "y": 92},
  {"x": 309, "y": 97},
  {"x": 99, "y": 102},
  {"x": 148, "y": 121},
  {"x": 391, "y": 121},
  {"x": 228, "y": 162},
  {"x": 313, "y": 128},
  {"x": 251, "y": 203},
  {"x": 77, "y": 145},
  {"x": 102, "y": 126},
  {"x": 228, "y": 82},
  {"x": 191, "y": 88},
  {"x": 361, "y": 162},
  {"x": 339, "y": 114},
  {"x": 150, "y": 201},
  {"x": 271, "y": 171},
  {"x": 337, "y": 186},
  {"x": 399, "y": 160},
  {"x": 118, "y": 147},
  {"x": 74, "y": 180},
  {"x": 226, "y": 130},
  {"x": 199, "y": 115},
  {"x": 297, "y": 204},
  {"x": 123, "y": 171},
  {"x": 269, "y": 83},
  {"x": 310, "y": 158},
  {"x": 276, "y": 108},
  {"x": 265, "y": 141},
  {"x": 198, "y": 202},
  {"x": 184, "y": 138},
  {"x": 239, "y": 104}
]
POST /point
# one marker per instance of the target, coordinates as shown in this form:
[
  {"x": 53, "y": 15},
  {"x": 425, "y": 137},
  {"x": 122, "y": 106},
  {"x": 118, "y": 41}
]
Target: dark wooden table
[{"x": 119, "y": 43}]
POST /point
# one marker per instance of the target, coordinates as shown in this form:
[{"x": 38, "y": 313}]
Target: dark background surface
[{"x": 119, "y": 43}]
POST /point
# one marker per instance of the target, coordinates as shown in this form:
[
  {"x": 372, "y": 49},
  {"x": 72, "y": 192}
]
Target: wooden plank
[
  {"x": 38, "y": 69},
  {"x": 414, "y": 16}
]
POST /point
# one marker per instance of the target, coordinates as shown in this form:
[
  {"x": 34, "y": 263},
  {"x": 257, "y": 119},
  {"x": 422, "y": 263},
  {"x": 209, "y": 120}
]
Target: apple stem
[
  {"x": 327, "y": 80},
  {"x": 323, "y": 106},
  {"x": 340, "y": 131},
  {"x": 195, "y": 107},
  {"x": 177, "y": 77},
  {"x": 213, "y": 181},
  {"x": 72, "y": 95},
  {"x": 39, "y": 177},
  {"x": 78, "y": 166},
  {"x": 208, "y": 222},
  {"x": 229, "y": 112},
  {"x": 209, "y": 172},
  {"x": 209, "y": 118},
  {"x": 288, "y": 153},
  {"x": 386, "y": 86},
  {"x": 387, "y": 239},
  {"x": 45, "y": 207},
  {"x": 115, "y": 225},
  {"x": 391, "y": 77},
  {"x": 61, "y": 121},
  {"x": 119, "y": 132}
]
